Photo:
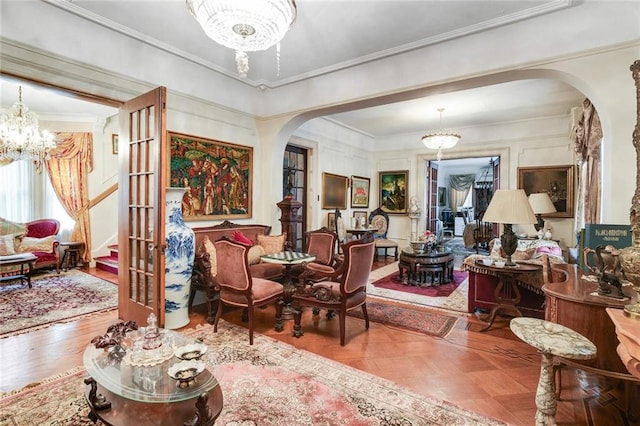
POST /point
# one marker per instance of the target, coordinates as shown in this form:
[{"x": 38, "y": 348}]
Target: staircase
[{"x": 109, "y": 263}]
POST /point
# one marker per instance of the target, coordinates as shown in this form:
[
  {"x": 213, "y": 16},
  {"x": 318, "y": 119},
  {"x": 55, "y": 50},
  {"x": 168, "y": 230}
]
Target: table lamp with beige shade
[
  {"x": 541, "y": 204},
  {"x": 509, "y": 207}
]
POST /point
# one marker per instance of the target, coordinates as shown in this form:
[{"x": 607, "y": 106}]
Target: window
[{"x": 26, "y": 195}]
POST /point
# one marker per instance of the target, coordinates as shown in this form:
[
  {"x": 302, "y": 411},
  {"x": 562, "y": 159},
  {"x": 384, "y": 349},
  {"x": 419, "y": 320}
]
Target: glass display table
[{"x": 141, "y": 392}]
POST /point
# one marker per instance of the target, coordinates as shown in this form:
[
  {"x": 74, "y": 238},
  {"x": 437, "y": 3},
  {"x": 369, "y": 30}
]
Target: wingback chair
[
  {"x": 238, "y": 288},
  {"x": 380, "y": 220},
  {"x": 346, "y": 291}
]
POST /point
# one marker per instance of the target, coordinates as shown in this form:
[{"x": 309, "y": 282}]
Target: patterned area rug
[
  {"x": 393, "y": 282},
  {"x": 420, "y": 320},
  {"x": 269, "y": 383},
  {"x": 53, "y": 298},
  {"x": 456, "y": 301}
]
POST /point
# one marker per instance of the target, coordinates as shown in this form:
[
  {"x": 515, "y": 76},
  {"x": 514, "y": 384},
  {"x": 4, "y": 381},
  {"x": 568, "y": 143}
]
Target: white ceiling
[{"x": 330, "y": 35}]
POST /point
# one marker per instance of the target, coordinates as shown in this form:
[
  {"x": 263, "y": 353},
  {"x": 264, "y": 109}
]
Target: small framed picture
[
  {"x": 114, "y": 143},
  {"x": 360, "y": 215},
  {"x": 331, "y": 221}
]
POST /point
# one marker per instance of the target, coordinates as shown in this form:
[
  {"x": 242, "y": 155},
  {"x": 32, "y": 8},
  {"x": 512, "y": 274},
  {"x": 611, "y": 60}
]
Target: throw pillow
[
  {"x": 31, "y": 244},
  {"x": 210, "y": 248},
  {"x": 8, "y": 227},
  {"x": 6, "y": 245},
  {"x": 239, "y": 237},
  {"x": 272, "y": 244},
  {"x": 253, "y": 256}
]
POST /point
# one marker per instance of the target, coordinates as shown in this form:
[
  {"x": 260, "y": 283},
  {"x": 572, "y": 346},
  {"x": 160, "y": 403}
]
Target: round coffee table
[
  {"x": 437, "y": 262},
  {"x": 119, "y": 393}
]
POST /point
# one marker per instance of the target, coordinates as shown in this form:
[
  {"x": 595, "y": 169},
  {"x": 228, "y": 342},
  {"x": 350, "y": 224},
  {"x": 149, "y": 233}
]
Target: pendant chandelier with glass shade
[
  {"x": 20, "y": 136},
  {"x": 440, "y": 140},
  {"x": 245, "y": 25}
]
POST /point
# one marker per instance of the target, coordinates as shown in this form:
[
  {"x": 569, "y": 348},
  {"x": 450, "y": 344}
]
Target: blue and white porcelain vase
[{"x": 179, "y": 256}]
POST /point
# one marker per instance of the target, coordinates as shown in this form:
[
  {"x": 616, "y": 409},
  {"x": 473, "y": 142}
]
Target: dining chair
[
  {"x": 380, "y": 221},
  {"x": 238, "y": 288},
  {"x": 344, "y": 291},
  {"x": 321, "y": 244}
]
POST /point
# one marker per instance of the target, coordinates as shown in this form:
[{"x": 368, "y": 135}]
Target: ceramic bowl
[
  {"x": 487, "y": 261},
  {"x": 500, "y": 263}
]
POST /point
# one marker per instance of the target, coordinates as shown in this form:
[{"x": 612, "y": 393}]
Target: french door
[
  {"x": 432, "y": 196},
  {"x": 142, "y": 176},
  {"x": 294, "y": 181}
]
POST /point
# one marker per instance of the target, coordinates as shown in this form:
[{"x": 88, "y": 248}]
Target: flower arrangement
[{"x": 427, "y": 237}]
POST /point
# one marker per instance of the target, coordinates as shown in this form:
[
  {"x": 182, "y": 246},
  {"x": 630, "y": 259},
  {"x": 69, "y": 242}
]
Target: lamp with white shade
[
  {"x": 541, "y": 204},
  {"x": 509, "y": 207}
]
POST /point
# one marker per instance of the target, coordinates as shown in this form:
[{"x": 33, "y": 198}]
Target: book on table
[{"x": 599, "y": 234}]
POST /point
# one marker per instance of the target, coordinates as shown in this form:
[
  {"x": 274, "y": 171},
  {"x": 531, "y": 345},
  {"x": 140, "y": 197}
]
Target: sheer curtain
[{"x": 26, "y": 195}]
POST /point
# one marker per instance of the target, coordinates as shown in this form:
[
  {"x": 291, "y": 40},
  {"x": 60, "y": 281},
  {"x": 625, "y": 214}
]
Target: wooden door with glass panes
[
  {"x": 432, "y": 196},
  {"x": 142, "y": 170},
  {"x": 294, "y": 181}
]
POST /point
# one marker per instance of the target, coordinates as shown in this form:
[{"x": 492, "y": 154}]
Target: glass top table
[{"x": 146, "y": 384}]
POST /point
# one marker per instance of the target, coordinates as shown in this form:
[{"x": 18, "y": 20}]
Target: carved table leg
[
  {"x": 97, "y": 402},
  {"x": 202, "y": 416}
]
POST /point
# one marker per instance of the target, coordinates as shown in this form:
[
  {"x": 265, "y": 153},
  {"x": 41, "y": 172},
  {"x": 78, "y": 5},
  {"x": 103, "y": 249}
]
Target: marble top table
[{"x": 551, "y": 340}]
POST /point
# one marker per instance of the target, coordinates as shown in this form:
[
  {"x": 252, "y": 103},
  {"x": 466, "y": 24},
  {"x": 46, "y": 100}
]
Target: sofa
[
  {"x": 205, "y": 263},
  {"x": 38, "y": 237},
  {"x": 482, "y": 284}
]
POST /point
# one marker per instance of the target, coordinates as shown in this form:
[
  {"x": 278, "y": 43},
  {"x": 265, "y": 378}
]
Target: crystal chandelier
[
  {"x": 20, "y": 137},
  {"x": 245, "y": 25},
  {"x": 440, "y": 140}
]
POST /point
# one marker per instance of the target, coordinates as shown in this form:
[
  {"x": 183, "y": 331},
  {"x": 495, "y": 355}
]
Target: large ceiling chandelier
[
  {"x": 440, "y": 140},
  {"x": 20, "y": 137},
  {"x": 245, "y": 25}
]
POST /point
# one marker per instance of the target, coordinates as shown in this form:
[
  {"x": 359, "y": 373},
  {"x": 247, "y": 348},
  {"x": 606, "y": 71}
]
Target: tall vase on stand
[{"x": 179, "y": 257}]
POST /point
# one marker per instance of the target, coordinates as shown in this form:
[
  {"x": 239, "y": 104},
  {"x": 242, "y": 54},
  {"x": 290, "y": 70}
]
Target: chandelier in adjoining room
[
  {"x": 20, "y": 136},
  {"x": 440, "y": 140},
  {"x": 245, "y": 25}
]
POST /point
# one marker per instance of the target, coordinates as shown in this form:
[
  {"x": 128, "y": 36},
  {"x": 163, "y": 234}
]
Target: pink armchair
[{"x": 41, "y": 229}]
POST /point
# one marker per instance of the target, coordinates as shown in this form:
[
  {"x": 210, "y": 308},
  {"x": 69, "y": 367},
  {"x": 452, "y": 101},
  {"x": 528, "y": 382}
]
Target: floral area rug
[
  {"x": 456, "y": 300},
  {"x": 420, "y": 320},
  {"x": 53, "y": 298},
  {"x": 268, "y": 383}
]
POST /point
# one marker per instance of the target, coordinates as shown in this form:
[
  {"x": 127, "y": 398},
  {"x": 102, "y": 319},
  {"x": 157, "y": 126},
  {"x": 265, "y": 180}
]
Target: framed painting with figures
[
  {"x": 217, "y": 176},
  {"x": 557, "y": 181},
  {"x": 393, "y": 191}
]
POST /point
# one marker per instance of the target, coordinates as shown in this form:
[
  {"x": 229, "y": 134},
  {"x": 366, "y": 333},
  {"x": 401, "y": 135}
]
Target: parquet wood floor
[{"x": 492, "y": 373}]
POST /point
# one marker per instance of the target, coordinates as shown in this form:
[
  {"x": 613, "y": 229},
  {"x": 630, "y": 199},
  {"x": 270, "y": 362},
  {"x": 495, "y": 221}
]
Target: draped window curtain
[
  {"x": 460, "y": 186},
  {"x": 587, "y": 136},
  {"x": 70, "y": 163}
]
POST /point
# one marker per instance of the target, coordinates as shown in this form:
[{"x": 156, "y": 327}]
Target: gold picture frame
[
  {"x": 218, "y": 176},
  {"x": 360, "y": 192},
  {"x": 393, "y": 191},
  {"x": 557, "y": 181},
  {"x": 334, "y": 191},
  {"x": 114, "y": 144}
]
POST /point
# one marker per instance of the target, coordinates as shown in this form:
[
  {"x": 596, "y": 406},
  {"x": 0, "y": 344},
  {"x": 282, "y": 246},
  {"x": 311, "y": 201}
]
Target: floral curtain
[
  {"x": 587, "y": 135},
  {"x": 69, "y": 165},
  {"x": 460, "y": 186}
]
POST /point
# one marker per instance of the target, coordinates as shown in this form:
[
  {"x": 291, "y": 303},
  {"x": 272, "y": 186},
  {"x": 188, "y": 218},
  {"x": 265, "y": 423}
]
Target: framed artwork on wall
[
  {"x": 360, "y": 216},
  {"x": 393, "y": 191},
  {"x": 114, "y": 143},
  {"x": 557, "y": 181},
  {"x": 218, "y": 177},
  {"x": 331, "y": 221},
  {"x": 442, "y": 196},
  {"x": 334, "y": 191},
  {"x": 360, "y": 191}
]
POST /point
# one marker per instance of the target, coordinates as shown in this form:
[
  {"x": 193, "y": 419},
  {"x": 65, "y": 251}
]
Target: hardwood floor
[{"x": 492, "y": 373}]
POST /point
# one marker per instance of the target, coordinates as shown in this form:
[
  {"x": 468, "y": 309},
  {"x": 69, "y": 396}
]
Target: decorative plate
[
  {"x": 185, "y": 372},
  {"x": 192, "y": 351}
]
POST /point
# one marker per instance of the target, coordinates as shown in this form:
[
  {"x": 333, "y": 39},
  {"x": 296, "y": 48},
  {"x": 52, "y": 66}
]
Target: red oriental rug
[
  {"x": 425, "y": 321},
  {"x": 393, "y": 282}
]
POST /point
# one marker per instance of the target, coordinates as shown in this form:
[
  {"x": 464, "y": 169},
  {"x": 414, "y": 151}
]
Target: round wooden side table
[{"x": 551, "y": 340}]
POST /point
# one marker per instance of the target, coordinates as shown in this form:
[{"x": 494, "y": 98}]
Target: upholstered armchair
[
  {"x": 238, "y": 288},
  {"x": 380, "y": 220},
  {"x": 321, "y": 244},
  {"x": 40, "y": 240},
  {"x": 345, "y": 290}
]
